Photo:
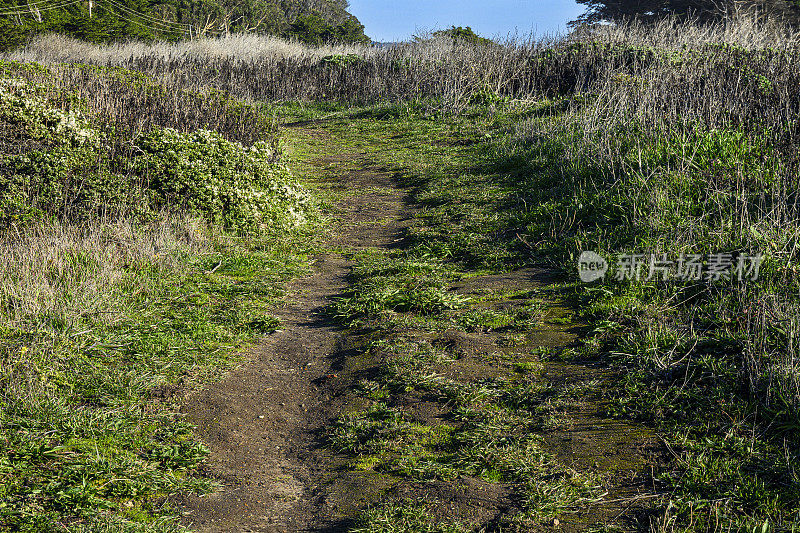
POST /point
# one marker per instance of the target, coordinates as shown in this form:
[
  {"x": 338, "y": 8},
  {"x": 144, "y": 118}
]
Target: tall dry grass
[
  {"x": 57, "y": 278},
  {"x": 133, "y": 104},
  {"x": 681, "y": 138},
  {"x": 447, "y": 74},
  {"x": 745, "y": 30},
  {"x": 266, "y": 68},
  {"x": 243, "y": 48}
]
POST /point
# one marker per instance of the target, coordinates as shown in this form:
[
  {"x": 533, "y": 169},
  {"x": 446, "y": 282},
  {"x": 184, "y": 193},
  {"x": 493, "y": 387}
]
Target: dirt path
[{"x": 263, "y": 422}]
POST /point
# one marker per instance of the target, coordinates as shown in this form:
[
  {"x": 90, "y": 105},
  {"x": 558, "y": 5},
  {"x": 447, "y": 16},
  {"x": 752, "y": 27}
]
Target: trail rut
[{"x": 262, "y": 423}]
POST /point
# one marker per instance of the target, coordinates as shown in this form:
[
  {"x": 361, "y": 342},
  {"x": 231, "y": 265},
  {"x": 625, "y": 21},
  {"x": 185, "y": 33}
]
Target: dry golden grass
[
  {"x": 745, "y": 30},
  {"x": 444, "y": 73},
  {"x": 52, "y": 48},
  {"x": 55, "y": 276}
]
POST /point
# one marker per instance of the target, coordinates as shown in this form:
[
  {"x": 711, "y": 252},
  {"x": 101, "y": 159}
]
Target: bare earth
[{"x": 263, "y": 422}]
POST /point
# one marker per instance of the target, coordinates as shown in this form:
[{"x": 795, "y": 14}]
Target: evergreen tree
[
  {"x": 312, "y": 21},
  {"x": 702, "y": 10},
  {"x": 462, "y": 34}
]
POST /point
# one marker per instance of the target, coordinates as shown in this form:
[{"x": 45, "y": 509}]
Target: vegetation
[
  {"x": 309, "y": 21},
  {"x": 137, "y": 263},
  {"x": 403, "y": 518},
  {"x": 459, "y": 33},
  {"x": 664, "y": 138},
  {"x": 700, "y": 10},
  {"x": 676, "y": 147},
  {"x": 444, "y": 75}
]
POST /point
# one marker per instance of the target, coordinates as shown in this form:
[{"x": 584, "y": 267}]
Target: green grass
[
  {"x": 88, "y": 431},
  {"x": 746, "y": 479},
  {"x": 710, "y": 365},
  {"x": 403, "y": 517},
  {"x": 684, "y": 348},
  {"x": 491, "y": 437}
]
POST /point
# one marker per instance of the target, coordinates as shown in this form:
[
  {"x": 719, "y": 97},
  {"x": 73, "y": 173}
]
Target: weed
[{"x": 403, "y": 517}]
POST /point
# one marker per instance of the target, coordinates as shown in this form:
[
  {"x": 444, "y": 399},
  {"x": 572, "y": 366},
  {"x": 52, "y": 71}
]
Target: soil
[{"x": 265, "y": 422}]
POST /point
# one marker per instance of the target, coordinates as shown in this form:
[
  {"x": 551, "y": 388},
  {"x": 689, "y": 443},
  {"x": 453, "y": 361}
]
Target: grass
[
  {"x": 403, "y": 518},
  {"x": 111, "y": 313},
  {"x": 493, "y": 421},
  {"x": 88, "y": 430},
  {"x": 443, "y": 75},
  {"x": 696, "y": 364},
  {"x": 527, "y": 194},
  {"x": 91, "y": 378},
  {"x": 55, "y": 48},
  {"x": 667, "y": 139}
]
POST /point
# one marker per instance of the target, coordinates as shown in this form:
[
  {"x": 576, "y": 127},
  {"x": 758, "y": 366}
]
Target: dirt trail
[{"x": 264, "y": 424}]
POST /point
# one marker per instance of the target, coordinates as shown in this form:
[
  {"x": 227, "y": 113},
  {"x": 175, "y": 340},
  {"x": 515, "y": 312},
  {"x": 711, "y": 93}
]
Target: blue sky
[{"x": 397, "y": 20}]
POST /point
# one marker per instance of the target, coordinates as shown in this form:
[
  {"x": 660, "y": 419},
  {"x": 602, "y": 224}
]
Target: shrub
[
  {"x": 22, "y": 104},
  {"x": 227, "y": 183},
  {"x": 58, "y": 164},
  {"x": 341, "y": 60},
  {"x": 463, "y": 34}
]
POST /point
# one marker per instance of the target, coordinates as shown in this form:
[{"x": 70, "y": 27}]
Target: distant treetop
[
  {"x": 311, "y": 21},
  {"x": 460, "y": 34},
  {"x": 701, "y": 10}
]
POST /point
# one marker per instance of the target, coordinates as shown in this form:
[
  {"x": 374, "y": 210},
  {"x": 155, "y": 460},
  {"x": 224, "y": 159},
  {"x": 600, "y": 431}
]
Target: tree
[
  {"x": 351, "y": 31},
  {"x": 310, "y": 29},
  {"x": 463, "y": 34},
  {"x": 313, "y": 29},
  {"x": 457, "y": 33},
  {"x": 313, "y": 21},
  {"x": 702, "y": 10}
]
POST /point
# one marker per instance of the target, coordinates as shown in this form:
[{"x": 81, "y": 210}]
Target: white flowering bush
[
  {"x": 22, "y": 103},
  {"x": 49, "y": 158},
  {"x": 232, "y": 185},
  {"x": 56, "y": 163}
]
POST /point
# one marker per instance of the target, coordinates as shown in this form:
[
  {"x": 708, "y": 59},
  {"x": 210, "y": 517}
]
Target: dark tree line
[
  {"x": 701, "y": 10},
  {"x": 312, "y": 21}
]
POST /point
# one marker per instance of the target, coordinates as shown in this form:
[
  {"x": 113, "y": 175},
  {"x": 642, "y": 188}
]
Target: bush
[
  {"x": 341, "y": 60},
  {"x": 59, "y": 164},
  {"x": 463, "y": 34},
  {"x": 313, "y": 29},
  {"x": 225, "y": 182}
]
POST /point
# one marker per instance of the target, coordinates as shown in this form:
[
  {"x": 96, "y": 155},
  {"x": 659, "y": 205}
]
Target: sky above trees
[{"x": 393, "y": 20}]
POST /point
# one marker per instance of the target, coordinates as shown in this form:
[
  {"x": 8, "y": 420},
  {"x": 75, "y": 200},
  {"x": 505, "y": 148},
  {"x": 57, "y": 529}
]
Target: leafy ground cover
[
  {"x": 130, "y": 277},
  {"x": 517, "y": 185}
]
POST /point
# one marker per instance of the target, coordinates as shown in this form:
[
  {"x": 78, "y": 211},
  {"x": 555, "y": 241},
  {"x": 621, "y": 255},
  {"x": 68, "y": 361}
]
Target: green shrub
[
  {"x": 57, "y": 163},
  {"x": 227, "y": 183},
  {"x": 23, "y": 104},
  {"x": 66, "y": 181},
  {"x": 464, "y": 35},
  {"x": 486, "y": 96},
  {"x": 341, "y": 60}
]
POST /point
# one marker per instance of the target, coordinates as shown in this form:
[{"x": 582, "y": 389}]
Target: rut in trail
[{"x": 263, "y": 422}]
